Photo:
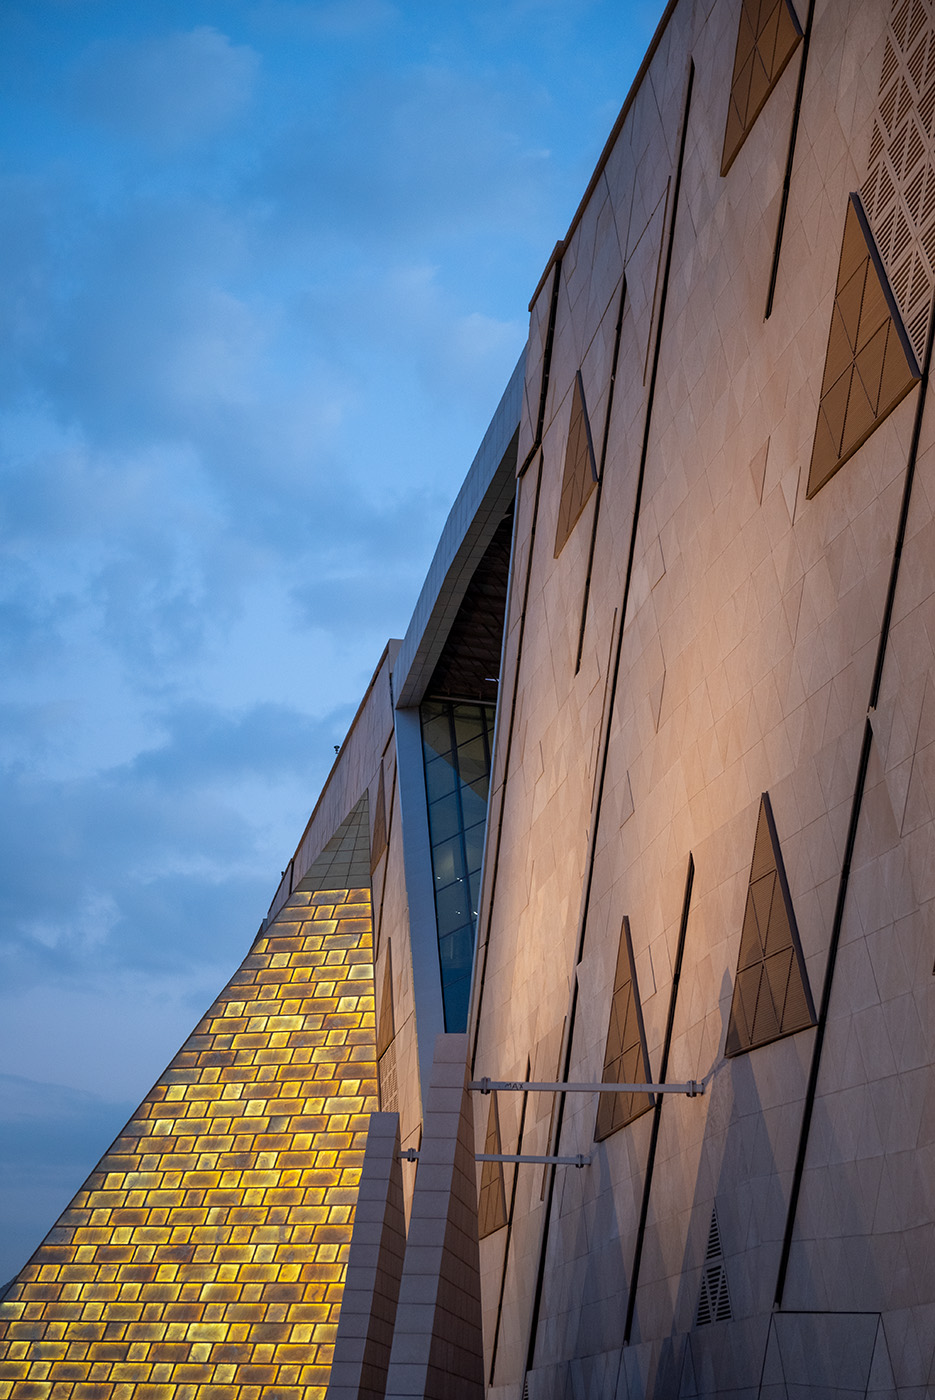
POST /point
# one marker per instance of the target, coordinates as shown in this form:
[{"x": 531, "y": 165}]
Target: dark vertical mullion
[
  {"x": 657, "y": 1108},
  {"x": 811, "y": 1090},
  {"x": 482, "y": 975},
  {"x": 509, "y": 1230},
  {"x": 790, "y": 159},
  {"x": 456, "y": 764},
  {"x": 599, "y": 798},
  {"x": 600, "y": 475}
]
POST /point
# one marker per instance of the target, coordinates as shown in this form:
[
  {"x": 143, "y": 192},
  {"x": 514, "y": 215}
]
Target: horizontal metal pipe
[
  {"x": 410, "y": 1154},
  {"x": 692, "y": 1087},
  {"x": 579, "y": 1161}
]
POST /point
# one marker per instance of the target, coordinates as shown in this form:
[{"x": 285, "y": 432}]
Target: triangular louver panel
[
  {"x": 625, "y": 1057},
  {"x": 870, "y": 364},
  {"x": 491, "y": 1205},
  {"x": 771, "y": 992},
  {"x": 580, "y": 475},
  {"x": 714, "y": 1300},
  {"x": 767, "y": 37}
]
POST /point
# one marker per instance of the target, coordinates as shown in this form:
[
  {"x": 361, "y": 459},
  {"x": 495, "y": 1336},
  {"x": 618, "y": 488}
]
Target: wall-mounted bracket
[
  {"x": 692, "y": 1088},
  {"x": 410, "y": 1154}
]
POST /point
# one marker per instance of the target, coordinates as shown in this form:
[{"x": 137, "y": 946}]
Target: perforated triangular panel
[
  {"x": 771, "y": 992},
  {"x": 714, "y": 1299},
  {"x": 386, "y": 1021},
  {"x": 870, "y": 365},
  {"x": 766, "y": 39},
  {"x": 625, "y": 1057}
]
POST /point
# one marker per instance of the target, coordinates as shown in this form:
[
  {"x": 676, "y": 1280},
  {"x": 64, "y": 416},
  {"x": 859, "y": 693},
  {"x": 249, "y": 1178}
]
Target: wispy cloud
[
  {"x": 263, "y": 274},
  {"x": 169, "y": 90}
]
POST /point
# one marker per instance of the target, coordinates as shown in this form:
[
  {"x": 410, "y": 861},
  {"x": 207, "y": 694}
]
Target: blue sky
[{"x": 264, "y": 269}]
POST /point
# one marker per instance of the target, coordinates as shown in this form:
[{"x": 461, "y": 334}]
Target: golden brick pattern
[{"x": 205, "y": 1255}]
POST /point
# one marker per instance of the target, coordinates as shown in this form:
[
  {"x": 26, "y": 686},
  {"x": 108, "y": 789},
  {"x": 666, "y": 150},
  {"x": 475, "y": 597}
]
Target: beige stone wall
[{"x": 752, "y": 621}]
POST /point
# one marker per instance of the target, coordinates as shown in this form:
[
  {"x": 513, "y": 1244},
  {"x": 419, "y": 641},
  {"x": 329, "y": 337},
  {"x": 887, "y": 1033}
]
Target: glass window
[
  {"x": 473, "y": 806},
  {"x": 444, "y": 818},
  {"x": 440, "y": 777},
  {"x": 448, "y": 862},
  {"x": 468, "y": 723},
  {"x": 474, "y": 845},
  {"x": 436, "y": 729},
  {"x": 457, "y": 742},
  {"x": 453, "y": 906},
  {"x": 456, "y": 997}
]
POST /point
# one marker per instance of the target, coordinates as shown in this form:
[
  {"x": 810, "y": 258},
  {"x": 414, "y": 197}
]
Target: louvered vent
[
  {"x": 714, "y": 1239},
  {"x": 714, "y": 1303},
  {"x": 386, "y": 1071}
]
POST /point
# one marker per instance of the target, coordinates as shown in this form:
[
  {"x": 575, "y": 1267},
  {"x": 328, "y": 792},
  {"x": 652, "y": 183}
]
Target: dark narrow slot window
[{"x": 457, "y": 741}]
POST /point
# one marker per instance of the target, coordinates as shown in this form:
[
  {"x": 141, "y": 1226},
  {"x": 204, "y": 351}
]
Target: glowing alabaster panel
[{"x": 206, "y": 1253}]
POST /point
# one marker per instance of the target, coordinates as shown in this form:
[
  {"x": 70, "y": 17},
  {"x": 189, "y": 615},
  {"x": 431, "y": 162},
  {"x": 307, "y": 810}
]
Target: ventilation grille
[
  {"x": 714, "y": 1239},
  {"x": 386, "y": 1070},
  {"x": 714, "y": 1303},
  {"x": 378, "y": 836},
  {"x": 386, "y": 1019},
  {"x": 899, "y": 191}
]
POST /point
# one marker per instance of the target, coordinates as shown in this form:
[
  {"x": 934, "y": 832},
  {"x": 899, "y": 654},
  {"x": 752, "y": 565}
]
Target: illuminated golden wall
[{"x": 207, "y": 1250}]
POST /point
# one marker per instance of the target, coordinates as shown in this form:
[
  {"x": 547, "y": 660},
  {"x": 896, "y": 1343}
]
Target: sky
[{"x": 264, "y": 271}]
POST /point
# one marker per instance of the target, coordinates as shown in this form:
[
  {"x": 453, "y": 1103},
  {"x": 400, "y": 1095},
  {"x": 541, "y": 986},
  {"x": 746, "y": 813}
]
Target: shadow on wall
[{"x": 733, "y": 1340}]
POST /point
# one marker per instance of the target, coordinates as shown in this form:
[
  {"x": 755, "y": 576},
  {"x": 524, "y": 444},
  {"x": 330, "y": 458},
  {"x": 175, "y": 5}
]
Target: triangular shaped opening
[
  {"x": 771, "y": 995},
  {"x": 625, "y": 1057},
  {"x": 345, "y": 861},
  {"x": 378, "y": 837},
  {"x": 870, "y": 364},
  {"x": 767, "y": 35},
  {"x": 386, "y": 1022},
  {"x": 580, "y": 475}
]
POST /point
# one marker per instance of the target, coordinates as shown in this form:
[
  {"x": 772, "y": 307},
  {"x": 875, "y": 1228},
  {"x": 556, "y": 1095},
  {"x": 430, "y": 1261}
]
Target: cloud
[
  {"x": 51, "y": 1137},
  {"x": 169, "y": 91},
  {"x": 445, "y": 159},
  {"x": 161, "y": 861},
  {"x": 334, "y": 19}
]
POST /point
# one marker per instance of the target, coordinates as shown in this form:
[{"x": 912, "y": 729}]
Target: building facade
[{"x": 645, "y": 796}]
